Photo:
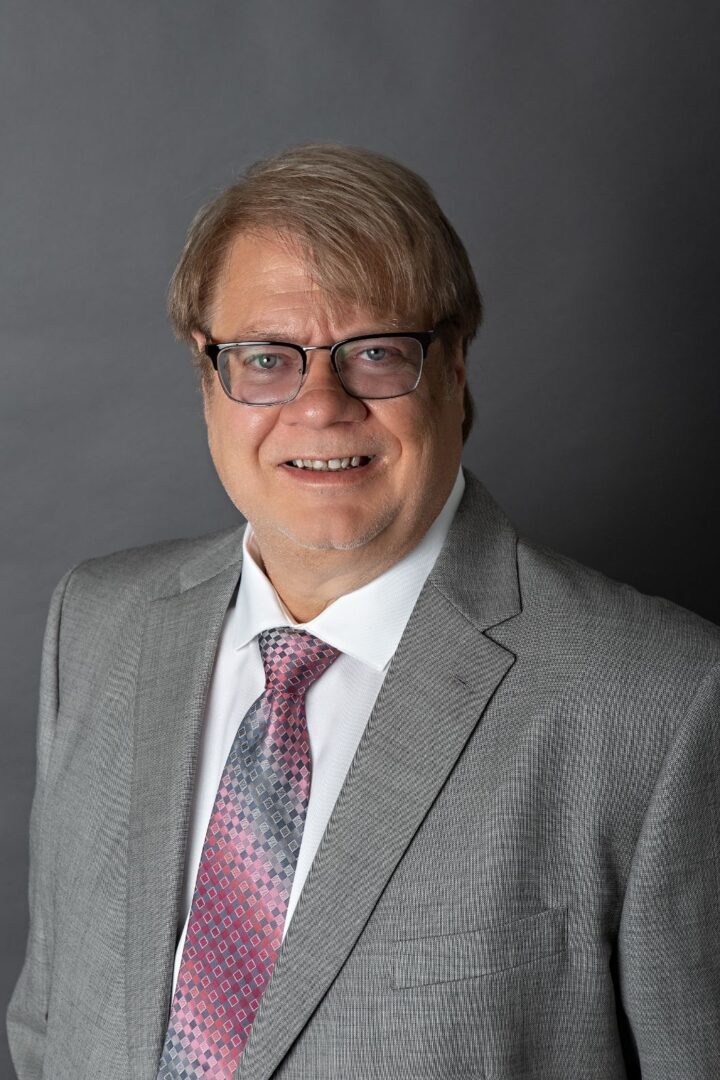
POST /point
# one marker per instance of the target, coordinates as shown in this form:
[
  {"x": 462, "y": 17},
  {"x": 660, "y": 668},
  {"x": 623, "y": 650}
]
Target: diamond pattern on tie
[{"x": 247, "y": 867}]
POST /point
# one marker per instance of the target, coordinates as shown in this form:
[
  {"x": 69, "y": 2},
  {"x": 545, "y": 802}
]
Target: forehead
[{"x": 266, "y": 286}]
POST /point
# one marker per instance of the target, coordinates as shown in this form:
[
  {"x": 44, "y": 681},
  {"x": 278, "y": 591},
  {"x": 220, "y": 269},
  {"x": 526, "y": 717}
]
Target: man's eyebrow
[
  {"x": 282, "y": 333},
  {"x": 275, "y": 333}
]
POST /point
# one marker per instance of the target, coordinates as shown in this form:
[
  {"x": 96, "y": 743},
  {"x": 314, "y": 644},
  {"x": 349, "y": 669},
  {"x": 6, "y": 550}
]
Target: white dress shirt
[{"x": 366, "y": 626}]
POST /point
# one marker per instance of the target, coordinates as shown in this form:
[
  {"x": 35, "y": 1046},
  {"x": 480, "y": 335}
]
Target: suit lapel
[
  {"x": 440, "y": 681},
  {"x": 179, "y": 644}
]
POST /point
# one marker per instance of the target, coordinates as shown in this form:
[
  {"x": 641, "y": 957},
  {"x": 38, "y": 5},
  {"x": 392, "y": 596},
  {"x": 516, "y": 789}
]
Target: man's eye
[
  {"x": 374, "y": 353},
  {"x": 265, "y": 361}
]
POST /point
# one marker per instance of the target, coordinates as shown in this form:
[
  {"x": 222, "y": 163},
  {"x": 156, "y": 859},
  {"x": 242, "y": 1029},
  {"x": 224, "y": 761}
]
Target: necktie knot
[{"x": 293, "y": 659}]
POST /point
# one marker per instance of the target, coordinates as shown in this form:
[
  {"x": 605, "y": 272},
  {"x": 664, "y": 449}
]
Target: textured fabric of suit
[{"x": 521, "y": 875}]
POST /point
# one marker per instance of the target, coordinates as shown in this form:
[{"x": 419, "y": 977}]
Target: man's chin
[
  {"x": 318, "y": 540},
  {"x": 327, "y": 533}
]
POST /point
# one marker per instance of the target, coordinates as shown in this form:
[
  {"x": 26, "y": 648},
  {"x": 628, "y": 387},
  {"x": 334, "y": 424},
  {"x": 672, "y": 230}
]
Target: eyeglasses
[{"x": 272, "y": 372}]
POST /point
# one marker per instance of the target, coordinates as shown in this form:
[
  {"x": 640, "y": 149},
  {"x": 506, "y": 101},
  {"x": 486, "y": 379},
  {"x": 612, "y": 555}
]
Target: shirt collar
[{"x": 367, "y": 623}]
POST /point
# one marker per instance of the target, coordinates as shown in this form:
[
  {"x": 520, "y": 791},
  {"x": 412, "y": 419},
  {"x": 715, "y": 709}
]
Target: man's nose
[{"x": 322, "y": 399}]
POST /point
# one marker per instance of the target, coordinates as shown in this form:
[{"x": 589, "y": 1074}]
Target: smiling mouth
[{"x": 329, "y": 464}]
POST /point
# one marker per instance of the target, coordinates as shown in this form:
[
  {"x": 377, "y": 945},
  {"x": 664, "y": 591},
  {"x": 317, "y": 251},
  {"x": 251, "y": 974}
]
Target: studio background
[{"x": 574, "y": 147}]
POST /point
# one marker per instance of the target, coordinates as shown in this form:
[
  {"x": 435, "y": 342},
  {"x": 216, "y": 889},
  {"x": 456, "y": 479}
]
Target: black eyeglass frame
[{"x": 425, "y": 339}]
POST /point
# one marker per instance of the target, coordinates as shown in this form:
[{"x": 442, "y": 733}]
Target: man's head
[{"x": 319, "y": 244}]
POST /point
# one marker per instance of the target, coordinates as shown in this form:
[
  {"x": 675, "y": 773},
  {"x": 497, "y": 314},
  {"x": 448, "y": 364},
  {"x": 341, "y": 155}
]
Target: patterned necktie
[{"x": 247, "y": 867}]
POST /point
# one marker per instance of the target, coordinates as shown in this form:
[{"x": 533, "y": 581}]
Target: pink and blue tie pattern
[{"x": 247, "y": 867}]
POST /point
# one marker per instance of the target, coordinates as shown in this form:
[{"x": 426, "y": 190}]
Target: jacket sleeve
[
  {"x": 27, "y": 1013},
  {"x": 669, "y": 936}
]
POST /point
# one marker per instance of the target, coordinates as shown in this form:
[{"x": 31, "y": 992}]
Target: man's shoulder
[
  {"x": 152, "y": 570},
  {"x": 590, "y": 610},
  {"x": 560, "y": 599}
]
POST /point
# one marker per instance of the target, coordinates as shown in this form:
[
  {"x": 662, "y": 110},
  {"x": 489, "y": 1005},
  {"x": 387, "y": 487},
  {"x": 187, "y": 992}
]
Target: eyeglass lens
[{"x": 377, "y": 367}]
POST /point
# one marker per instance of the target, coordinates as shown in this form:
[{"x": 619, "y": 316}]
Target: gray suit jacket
[{"x": 520, "y": 878}]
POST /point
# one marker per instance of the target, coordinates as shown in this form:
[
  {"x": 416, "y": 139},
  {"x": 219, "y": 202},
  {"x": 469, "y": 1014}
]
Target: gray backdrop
[{"x": 573, "y": 145}]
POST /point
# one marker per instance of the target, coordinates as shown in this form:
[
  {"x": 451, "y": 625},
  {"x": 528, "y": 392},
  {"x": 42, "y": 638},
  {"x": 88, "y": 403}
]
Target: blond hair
[{"x": 370, "y": 229}]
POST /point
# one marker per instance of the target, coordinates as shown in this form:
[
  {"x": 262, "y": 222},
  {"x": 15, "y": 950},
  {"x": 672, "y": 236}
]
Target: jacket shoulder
[
  {"x": 152, "y": 569},
  {"x": 105, "y": 597},
  {"x": 609, "y": 615}
]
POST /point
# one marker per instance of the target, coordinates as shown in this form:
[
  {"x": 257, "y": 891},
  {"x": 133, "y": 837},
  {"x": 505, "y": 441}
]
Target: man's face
[{"x": 376, "y": 512}]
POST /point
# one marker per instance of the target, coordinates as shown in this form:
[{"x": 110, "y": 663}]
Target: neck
[{"x": 307, "y": 580}]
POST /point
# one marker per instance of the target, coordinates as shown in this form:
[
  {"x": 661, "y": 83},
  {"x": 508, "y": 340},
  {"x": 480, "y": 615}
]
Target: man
[{"x": 372, "y": 787}]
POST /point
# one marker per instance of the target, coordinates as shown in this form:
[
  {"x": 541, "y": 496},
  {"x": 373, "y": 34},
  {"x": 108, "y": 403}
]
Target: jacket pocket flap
[{"x": 487, "y": 949}]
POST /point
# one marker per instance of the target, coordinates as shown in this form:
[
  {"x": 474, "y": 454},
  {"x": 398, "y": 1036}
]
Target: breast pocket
[{"x": 482, "y": 951}]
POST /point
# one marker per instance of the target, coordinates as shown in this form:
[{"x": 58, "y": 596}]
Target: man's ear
[
  {"x": 454, "y": 367},
  {"x": 206, "y": 384},
  {"x": 458, "y": 366}
]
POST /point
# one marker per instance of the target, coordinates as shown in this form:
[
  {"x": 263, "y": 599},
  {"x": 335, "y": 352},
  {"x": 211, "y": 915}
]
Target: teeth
[{"x": 332, "y": 464}]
